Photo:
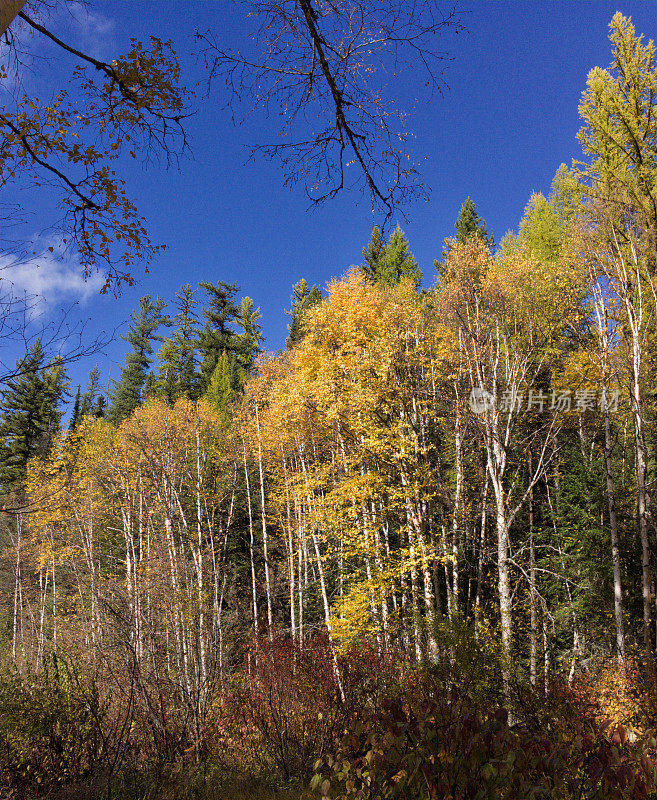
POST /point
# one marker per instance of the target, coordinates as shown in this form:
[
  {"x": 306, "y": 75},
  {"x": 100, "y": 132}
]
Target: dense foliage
[{"x": 416, "y": 548}]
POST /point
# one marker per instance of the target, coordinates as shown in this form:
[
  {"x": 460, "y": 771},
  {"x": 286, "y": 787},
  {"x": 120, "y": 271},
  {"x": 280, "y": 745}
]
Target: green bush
[{"x": 49, "y": 728}]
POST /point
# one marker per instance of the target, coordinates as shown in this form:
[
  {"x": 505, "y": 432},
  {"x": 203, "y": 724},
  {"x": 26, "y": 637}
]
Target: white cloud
[
  {"x": 27, "y": 60},
  {"x": 47, "y": 279},
  {"x": 93, "y": 32}
]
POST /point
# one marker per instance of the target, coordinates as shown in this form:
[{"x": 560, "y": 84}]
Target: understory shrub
[
  {"x": 436, "y": 747},
  {"x": 49, "y": 728},
  {"x": 283, "y": 710}
]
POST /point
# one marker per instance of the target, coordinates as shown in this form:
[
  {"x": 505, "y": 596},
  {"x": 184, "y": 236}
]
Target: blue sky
[{"x": 507, "y": 121}]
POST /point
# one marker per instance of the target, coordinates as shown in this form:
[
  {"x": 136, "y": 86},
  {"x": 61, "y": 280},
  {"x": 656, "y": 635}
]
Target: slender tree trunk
[
  {"x": 480, "y": 555},
  {"x": 642, "y": 504},
  {"x": 458, "y": 491},
  {"x": 290, "y": 548},
  {"x": 327, "y": 617},
  {"x": 613, "y": 528},
  {"x": 504, "y": 590},
  {"x": 533, "y": 618},
  {"x": 251, "y": 543},
  {"x": 18, "y": 590},
  {"x": 270, "y": 619}
]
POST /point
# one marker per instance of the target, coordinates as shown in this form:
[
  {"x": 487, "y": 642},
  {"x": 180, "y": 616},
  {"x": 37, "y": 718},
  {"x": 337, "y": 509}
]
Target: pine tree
[
  {"x": 29, "y": 414},
  {"x": 303, "y": 298},
  {"x": 142, "y": 334},
  {"x": 387, "y": 263}
]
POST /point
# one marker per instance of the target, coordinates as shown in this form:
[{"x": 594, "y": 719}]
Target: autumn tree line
[{"x": 475, "y": 459}]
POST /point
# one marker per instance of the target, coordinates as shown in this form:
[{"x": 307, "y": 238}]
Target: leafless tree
[{"x": 328, "y": 67}]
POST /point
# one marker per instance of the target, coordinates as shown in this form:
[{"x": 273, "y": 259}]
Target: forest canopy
[{"x": 413, "y": 553}]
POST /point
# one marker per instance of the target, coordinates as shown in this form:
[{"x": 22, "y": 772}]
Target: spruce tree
[
  {"x": 129, "y": 391},
  {"x": 76, "y": 415},
  {"x": 373, "y": 254},
  {"x": 388, "y": 262},
  {"x": 99, "y": 408},
  {"x": 469, "y": 223},
  {"x": 177, "y": 376},
  {"x": 30, "y": 414},
  {"x": 92, "y": 393},
  {"x": 250, "y": 336},
  {"x": 168, "y": 386},
  {"x": 303, "y": 298},
  {"x": 218, "y": 334},
  {"x": 184, "y": 338}
]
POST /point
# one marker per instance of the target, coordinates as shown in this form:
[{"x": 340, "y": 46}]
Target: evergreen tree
[
  {"x": 250, "y": 337},
  {"x": 91, "y": 394},
  {"x": 177, "y": 371},
  {"x": 220, "y": 391},
  {"x": 76, "y": 416},
  {"x": 373, "y": 254},
  {"x": 143, "y": 332},
  {"x": 168, "y": 386},
  {"x": 469, "y": 223},
  {"x": 151, "y": 386},
  {"x": 303, "y": 298},
  {"x": 184, "y": 339},
  {"x": 387, "y": 263},
  {"x": 84, "y": 403},
  {"x": 30, "y": 413},
  {"x": 99, "y": 408},
  {"x": 218, "y": 334}
]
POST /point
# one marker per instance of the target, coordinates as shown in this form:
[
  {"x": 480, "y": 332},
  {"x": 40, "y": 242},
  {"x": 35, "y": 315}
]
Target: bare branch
[{"x": 325, "y": 68}]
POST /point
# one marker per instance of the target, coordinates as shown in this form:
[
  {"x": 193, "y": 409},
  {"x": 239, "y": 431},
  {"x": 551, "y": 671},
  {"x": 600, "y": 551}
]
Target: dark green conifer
[
  {"x": 387, "y": 263},
  {"x": 177, "y": 375},
  {"x": 218, "y": 334},
  {"x": 469, "y": 223},
  {"x": 76, "y": 416},
  {"x": 30, "y": 414},
  {"x": 129, "y": 391},
  {"x": 184, "y": 339},
  {"x": 303, "y": 298},
  {"x": 89, "y": 398},
  {"x": 250, "y": 336}
]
